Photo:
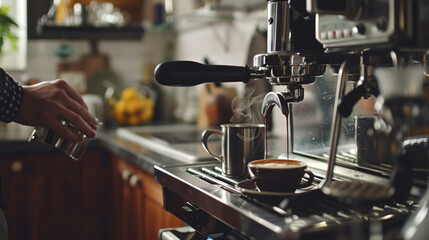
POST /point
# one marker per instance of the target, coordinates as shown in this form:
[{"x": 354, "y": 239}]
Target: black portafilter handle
[{"x": 188, "y": 73}]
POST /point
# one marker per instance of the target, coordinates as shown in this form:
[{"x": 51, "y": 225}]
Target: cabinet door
[
  {"x": 139, "y": 207},
  {"x": 98, "y": 222},
  {"x": 53, "y": 197},
  {"x": 156, "y": 217},
  {"x": 43, "y": 193},
  {"x": 129, "y": 210}
]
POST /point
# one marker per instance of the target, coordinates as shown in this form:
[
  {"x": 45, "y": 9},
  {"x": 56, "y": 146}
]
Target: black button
[{"x": 360, "y": 29}]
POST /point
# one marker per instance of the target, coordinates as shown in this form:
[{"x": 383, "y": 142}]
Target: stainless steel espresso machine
[{"x": 366, "y": 61}]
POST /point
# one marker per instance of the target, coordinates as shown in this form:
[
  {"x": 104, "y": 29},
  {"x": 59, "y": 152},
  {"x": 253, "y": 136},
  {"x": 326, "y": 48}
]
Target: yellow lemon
[
  {"x": 146, "y": 102},
  {"x": 146, "y": 115},
  {"x": 119, "y": 108},
  {"x": 134, "y": 106},
  {"x": 130, "y": 93},
  {"x": 121, "y": 119},
  {"x": 119, "y": 111},
  {"x": 133, "y": 120}
]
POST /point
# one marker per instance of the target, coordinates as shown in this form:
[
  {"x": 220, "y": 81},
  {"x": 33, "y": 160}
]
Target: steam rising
[{"x": 247, "y": 108}]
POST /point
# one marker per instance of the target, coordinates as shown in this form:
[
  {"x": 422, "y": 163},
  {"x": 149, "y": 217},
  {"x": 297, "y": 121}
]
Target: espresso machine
[{"x": 375, "y": 49}]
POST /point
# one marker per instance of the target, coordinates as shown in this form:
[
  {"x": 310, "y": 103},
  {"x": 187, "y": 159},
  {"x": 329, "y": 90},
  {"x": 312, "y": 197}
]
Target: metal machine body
[{"x": 310, "y": 45}]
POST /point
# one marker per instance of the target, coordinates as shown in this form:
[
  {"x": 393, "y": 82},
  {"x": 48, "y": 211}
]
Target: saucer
[{"x": 248, "y": 187}]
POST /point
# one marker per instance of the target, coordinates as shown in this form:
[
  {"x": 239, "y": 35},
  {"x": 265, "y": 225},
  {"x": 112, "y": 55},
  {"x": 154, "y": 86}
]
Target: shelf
[
  {"x": 239, "y": 5},
  {"x": 203, "y": 17},
  {"x": 191, "y": 21},
  {"x": 90, "y": 32},
  {"x": 223, "y": 11}
]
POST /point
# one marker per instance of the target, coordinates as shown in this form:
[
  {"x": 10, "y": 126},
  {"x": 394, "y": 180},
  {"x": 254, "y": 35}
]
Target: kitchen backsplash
[
  {"x": 221, "y": 41},
  {"x": 126, "y": 57}
]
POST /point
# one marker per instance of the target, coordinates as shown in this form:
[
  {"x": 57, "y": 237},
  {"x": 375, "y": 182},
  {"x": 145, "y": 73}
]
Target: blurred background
[{"x": 103, "y": 47}]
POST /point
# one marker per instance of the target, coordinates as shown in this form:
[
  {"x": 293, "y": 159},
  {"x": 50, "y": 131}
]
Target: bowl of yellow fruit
[{"x": 134, "y": 107}]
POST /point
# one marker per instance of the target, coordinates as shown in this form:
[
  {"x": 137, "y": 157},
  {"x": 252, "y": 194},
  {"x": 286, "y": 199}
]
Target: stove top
[{"x": 209, "y": 202}]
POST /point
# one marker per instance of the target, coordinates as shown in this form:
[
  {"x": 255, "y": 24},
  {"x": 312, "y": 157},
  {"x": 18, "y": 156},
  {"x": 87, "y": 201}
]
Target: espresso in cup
[{"x": 279, "y": 175}]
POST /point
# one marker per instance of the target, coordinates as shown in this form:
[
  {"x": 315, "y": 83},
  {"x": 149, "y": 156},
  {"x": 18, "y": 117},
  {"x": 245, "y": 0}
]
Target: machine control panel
[
  {"x": 357, "y": 23},
  {"x": 373, "y": 23},
  {"x": 335, "y": 31}
]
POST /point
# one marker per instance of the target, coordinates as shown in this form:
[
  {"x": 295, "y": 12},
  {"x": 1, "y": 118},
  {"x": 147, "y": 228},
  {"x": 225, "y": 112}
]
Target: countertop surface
[
  {"x": 135, "y": 153},
  {"x": 14, "y": 139}
]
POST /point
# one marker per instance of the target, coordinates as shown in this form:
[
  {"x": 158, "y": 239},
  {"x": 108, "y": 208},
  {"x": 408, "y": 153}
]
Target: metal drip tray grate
[{"x": 311, "y": 211}]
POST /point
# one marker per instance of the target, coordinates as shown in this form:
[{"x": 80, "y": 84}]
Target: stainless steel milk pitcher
[{"x": 241, "y": 143}]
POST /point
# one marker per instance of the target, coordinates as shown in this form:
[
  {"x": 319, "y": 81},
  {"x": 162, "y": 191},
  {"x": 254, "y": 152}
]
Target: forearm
[{"x": 11, "y": 97}]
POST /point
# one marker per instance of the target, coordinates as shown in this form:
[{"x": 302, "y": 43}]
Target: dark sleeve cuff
[{"x": 11, "y": 97}]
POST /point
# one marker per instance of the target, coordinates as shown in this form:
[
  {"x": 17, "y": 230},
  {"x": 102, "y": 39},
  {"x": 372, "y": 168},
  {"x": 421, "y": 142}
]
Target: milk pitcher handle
[{"x": 204, "y": 138}]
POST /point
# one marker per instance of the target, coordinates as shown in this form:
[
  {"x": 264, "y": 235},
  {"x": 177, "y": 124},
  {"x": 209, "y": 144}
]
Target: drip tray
[{"x": 180, "y": 142}]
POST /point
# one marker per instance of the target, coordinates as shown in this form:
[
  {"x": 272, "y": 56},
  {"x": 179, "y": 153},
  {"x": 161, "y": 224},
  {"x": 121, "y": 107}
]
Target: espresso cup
[
  {"x": 240, "y": 144},
  {"x": 279, "y": 175}
]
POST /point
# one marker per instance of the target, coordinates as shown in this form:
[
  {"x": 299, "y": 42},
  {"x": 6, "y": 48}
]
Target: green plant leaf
[
  {"x": 6, "y": 20},
  {"x": 6, "y": 24}
]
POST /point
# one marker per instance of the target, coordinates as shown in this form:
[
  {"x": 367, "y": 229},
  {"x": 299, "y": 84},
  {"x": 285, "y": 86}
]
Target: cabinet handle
[
  {"x": 126, "y": 174},
  {"x": 134, "y": 181},
  {"x": 16, "y": 166}
]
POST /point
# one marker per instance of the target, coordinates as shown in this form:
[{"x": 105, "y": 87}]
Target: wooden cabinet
[
  {"x": 53, "y": 197},
  {"x": 139, "y": 211},
  {"x": 101, "y": 197}
]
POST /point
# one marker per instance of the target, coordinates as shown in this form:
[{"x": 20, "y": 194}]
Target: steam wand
[
  {"x": 348, "y": 190},
  {"x": 336, "y": 122}
]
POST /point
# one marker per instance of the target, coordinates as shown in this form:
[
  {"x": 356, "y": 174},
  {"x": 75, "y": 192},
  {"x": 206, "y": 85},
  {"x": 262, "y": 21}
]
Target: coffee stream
[
  {"x": 266, "y": 136},
  {"x": 287, "y": 136}
]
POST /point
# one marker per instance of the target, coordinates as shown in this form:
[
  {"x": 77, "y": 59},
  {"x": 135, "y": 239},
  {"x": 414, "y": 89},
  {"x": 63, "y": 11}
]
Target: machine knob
[
  {"x": 359, "y": 29},
  {"x": 381, "y": 25}
]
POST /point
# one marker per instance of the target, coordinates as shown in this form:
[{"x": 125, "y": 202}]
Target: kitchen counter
[
  {"x": 134, "y": 153},
  {"x": 14, "y": 139}
]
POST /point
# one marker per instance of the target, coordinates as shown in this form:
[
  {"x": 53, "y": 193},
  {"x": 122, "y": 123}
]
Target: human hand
[{"x": 48, "y": 103}]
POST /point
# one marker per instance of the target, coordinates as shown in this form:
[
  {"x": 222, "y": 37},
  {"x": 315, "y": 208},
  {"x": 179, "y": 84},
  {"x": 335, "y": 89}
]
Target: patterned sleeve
[{"x": 11, "y": 95}]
